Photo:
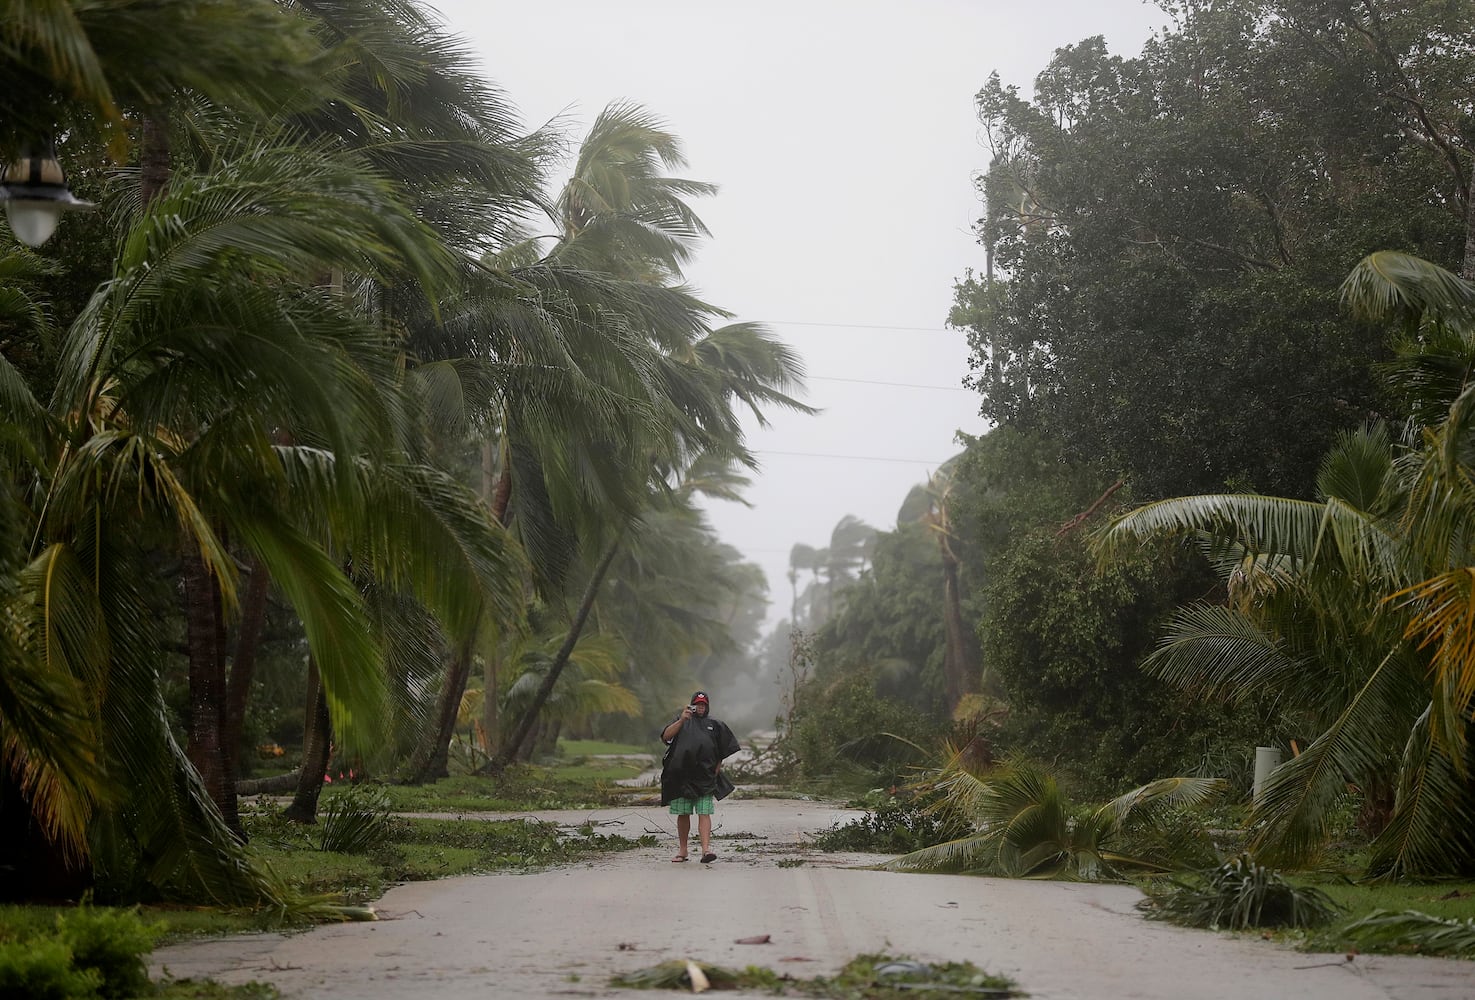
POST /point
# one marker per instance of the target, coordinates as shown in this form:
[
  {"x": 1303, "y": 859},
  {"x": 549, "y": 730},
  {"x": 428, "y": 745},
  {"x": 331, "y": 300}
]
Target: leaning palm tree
[{"x": 1353, "y": 608}]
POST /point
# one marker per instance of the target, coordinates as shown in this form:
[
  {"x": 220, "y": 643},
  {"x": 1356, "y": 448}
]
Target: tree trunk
[
  {"x": 496, "y": 492},
  {"x": 433, "y": 759},
  {"x": 316, "y": 741},
  {"x": 238, "y": 684},
  {"x": 205, "y": 643},
  {"x": 503, "y": 495},
  {"x": 491, "y": 708},
  {"x": 961, "y": 668},
  {"x": 508, "y": 750},
  {"x": 153, "y": 160},
  {"x": 1468, "y": 270}
]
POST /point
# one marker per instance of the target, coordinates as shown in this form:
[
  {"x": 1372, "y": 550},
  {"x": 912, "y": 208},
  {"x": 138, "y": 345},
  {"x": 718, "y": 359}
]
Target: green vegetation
[
  {"x": 1170, "y": 307},
  {"x": 401, "y": 507},
  {"x": 88, "y": 952},
  {"x": 896, "y": 824},
  {"x": 1238, "y": 895},
  {"x": 1021, "y": 824},
  {"x": 865, "y": 977},
  {"x": 591, "y": 748},
  {"x": 1412, "y": 931}
]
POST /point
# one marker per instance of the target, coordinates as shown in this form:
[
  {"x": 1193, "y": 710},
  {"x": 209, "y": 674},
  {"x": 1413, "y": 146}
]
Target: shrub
[
  {"x": 1237, "y": 895},
  {"x": 896, "y": 826},
  {"x": 42, "y": 969},
  {"x": 112, "y": 943},
  {"x": 355, "y": 822},
  {"x": 843, "y": 725}
]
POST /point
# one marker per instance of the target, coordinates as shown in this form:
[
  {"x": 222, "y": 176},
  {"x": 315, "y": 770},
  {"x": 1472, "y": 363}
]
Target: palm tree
[
  {"x": 931, "y": 505},
  {"x": 620, "y": 211},
  {"x": 90, "y": 68},
  {"x": 1354, "y": 609}
]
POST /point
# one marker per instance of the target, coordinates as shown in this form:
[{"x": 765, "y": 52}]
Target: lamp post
[{"x": 34, "y": 190}]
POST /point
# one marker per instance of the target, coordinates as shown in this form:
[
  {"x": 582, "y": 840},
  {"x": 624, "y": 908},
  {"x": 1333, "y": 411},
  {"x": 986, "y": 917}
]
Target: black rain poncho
[{"x": 689, "y": 769}]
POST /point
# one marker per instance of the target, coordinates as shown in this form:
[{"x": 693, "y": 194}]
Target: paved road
[{"x": 564, "y": 933}]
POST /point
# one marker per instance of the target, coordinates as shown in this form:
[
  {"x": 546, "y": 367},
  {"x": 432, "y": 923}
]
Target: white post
[{"x": 1267, "y": 759}]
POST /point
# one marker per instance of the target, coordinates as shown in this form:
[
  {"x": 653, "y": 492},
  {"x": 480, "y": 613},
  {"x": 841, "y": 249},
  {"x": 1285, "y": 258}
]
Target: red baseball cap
[{"x": 700, "y": 696}]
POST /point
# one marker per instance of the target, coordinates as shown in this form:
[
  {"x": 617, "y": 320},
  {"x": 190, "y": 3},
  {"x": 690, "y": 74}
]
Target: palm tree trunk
[
  {"x": 153, "y": 159},
  {"x": 508, "y": 750},
  {"x": 205, "y": 642},
  {"x": 1467, "y": 270},
  {"x": 960, "y": 662},
  {"x": 316, "y": 741},
  {"x": 491, "y": 708},
  {"x": 238, "y": 685},
  {"x": 433, "y": 759},
  {"x": 503, "y": 495},
  {"x": 496, "y": 492}
]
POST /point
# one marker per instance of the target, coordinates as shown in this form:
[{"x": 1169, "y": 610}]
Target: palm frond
[
  {"x": 1429, "y": 831},
  {"x": 1411, "y": 931},
  {"x": 1395, "y": 287}
]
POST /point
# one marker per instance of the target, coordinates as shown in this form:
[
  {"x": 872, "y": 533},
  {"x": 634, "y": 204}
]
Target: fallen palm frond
[
  {"x": 1410, "y": 930},
  {"x": 674, "y": 975},
  {"x": 1026, "y": 827},
  {"x": 1240, "y": 894}
]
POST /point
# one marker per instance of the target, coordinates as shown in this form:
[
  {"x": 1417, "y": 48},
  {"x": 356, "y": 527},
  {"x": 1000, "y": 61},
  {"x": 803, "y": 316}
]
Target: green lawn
[{"x": 584, "y": 748}]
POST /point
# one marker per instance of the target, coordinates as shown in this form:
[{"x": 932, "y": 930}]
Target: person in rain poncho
[{"x": 691, "y": 771}]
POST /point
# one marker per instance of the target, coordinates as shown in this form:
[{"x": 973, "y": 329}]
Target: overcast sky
[{"x": 842, "y": 136}]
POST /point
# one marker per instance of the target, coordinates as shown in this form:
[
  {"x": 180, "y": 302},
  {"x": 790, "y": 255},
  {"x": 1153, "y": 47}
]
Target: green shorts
[{"x": 703, "y": 806}]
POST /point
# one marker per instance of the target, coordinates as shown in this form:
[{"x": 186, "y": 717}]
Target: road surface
[{"x": 564, "y": 933}]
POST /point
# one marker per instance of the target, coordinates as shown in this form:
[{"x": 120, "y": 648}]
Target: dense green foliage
[
  {"x": 89, "y": 953},
  {"x": 896, "y": 824},
  {"x": 1023, "y": 825},
  {"x": 1171, "y": 231},
  {"x": 1165, "y": 307},
  {"x": 842, "y": 728},
  {"x": 308, "y": 415},
  {"x": 1237, "y": 895}
]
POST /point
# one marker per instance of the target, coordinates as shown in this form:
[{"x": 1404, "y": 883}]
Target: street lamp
[{"x": 34, "y": 190}]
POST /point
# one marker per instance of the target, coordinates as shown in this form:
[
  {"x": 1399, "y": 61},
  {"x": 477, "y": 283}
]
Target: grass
[
  {"x": 588, "y": 748},
  {"x": 1450, "y": 900},
  {"x": 569, "y": 785},
  {"x": 180, "y": 922},
  {"x": 1445, "y": 900},
  {"x": 420, "y": 850}
]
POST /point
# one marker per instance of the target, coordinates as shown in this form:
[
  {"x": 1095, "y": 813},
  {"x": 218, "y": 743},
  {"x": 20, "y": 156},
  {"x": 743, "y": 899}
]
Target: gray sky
[{"x": 842, "y": 136}]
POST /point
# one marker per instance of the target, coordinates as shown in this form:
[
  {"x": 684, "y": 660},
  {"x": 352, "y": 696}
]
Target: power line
[
  {"x": 854, "y": 458},
  {"x": 862, "y": 326},
  {"x": 899, "y": 385}
]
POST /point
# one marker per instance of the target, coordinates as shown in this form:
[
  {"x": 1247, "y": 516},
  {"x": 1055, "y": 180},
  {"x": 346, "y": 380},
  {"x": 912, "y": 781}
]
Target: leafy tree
[
  {"x": 1062, "y": 642},
  {"x": 1170, "y": 230},
  {"x": 890, "y": 622}
]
